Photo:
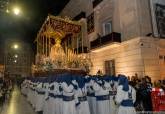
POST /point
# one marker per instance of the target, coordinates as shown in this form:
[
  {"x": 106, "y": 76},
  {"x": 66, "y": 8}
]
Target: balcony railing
[
  {"x": 96, "y": 2},
  {"x": 110, "y": 38}
]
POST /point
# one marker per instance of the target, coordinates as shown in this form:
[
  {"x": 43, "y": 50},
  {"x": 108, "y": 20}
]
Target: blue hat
[
  {"x": 98, "y": 80},
  {"x": 107, "y": 78},
  {"x": 87, "y": 79},
  {"x": 46, "y": 80},
  {"x": 53, "y": 79},
  {"x": 59, "y": 79},
  {"x": 81, "y": 81},
  {"x": 114, "y": 78},
  {"x": 94, "y": 78},
  {"x": 67, "y": 78},
  {"x": 124, "y": 82}
]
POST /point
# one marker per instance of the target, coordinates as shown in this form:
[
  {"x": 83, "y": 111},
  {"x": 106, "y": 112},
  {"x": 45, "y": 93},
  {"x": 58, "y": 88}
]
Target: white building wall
[
  {"x": 131, "y": 18},
  {"x": 150, "y": 56},
  {"x": 162, "y": 61},
  {"x": 139, "y": 55},
  {"x": 127, "y": 58}
]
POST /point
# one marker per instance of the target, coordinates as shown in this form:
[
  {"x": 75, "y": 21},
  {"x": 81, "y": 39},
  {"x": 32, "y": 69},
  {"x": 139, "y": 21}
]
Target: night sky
[{"x": 25, "y": 26}]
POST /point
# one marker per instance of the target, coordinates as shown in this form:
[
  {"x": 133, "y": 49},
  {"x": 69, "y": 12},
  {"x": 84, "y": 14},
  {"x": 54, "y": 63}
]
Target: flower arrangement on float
[{"x": 79, "y": 62}]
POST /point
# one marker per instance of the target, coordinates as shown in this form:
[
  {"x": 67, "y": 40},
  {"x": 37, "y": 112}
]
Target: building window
[
  {"x": 90, "y": 23},
  {"x": 110, "y": 67},
  {"x": 160, "y": 18},
  {"x": 107, "y": 27}
]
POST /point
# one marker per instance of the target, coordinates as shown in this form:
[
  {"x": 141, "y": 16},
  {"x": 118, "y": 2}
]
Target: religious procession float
[{"x": 60, "y": 48}]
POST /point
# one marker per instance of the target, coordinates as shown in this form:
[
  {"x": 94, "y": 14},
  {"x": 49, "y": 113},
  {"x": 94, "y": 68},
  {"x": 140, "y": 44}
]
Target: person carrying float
[
  {"x": 68, "y": 103},
  {"x": 52, "y": 95},
  {"x": 91, "y": 94},
  {"x": 102, "y": 97},
  {"x": 58, "y": 101},
  {"x": 126, "y": 96},
  {"x": 113, "y": 90},
  {"x": 46, "y": 96},
  {"x": 40, "y": 96},
  {"x": 81, "y": 94}
]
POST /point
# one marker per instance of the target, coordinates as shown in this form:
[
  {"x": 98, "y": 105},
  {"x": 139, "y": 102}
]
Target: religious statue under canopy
[
  {"x": 52, "y": 57},
  {"x": 57, "y": 51},
  {"x": 57, "y": 54}
]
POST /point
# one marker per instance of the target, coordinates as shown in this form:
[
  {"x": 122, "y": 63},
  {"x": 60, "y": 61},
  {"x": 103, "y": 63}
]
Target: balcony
[
  {"x": 96, "y": 2},
  {"x": 108, "y": 39},
  {"x": 79, "y": 16}
]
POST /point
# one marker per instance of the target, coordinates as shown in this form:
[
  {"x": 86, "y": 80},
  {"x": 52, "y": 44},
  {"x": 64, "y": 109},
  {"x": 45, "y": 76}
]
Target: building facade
[
  {"x": 18, "y": 60},
  {"x": 123, "y": 36}
]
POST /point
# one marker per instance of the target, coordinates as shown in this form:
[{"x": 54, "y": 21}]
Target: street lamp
[
  {"x": 15, "y": 61},
  {"x": 16, "y": 10},
  {"x": 7, "y": 11},
  {"x": 15, "y": 46},
  {"x": 16, "y": 56}
]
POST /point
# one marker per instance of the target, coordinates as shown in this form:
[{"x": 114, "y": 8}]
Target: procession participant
[
  {"x": 126, "y": 96},
  {"x": 46, "y": 97},
  {"x": 68, "y": 95},
  {"x": 29, "y": 91},
  {"x": 40, "y": 97},
  {"x": 109, "y": 84},
  {"x": 75, "y": 91},
  {"x": 91, "y": 94},
  {"x": 58, "y": 100},
  {"x": 113, "y": 91},
  {"x": 24, "y": 87},
  {"x": 102, "y": 97},
  {"x": 81, "y": 93},
  {"x": 55, "y": 96},
  {"x": 52, "y": 97},
  {"x": 27, "y": 88},
  {"x": 34, "y": 92}
]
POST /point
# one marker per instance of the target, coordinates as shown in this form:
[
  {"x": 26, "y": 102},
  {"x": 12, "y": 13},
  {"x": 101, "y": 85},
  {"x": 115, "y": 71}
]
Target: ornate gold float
[{"x": 55, "y": 51}]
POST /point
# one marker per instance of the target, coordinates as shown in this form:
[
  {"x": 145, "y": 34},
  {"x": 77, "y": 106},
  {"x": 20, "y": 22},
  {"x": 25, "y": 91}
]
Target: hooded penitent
[{"x": 124, "y": 82}]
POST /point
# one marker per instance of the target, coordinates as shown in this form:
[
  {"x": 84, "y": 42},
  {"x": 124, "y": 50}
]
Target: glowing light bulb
[
  {"x": 16, "y": 11},
  {"x": 15, "y": 46},
  {"x": 16, "y": 56},
  {"x": 15, "y": 61},
  {"x": 7, "y": 11}
]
